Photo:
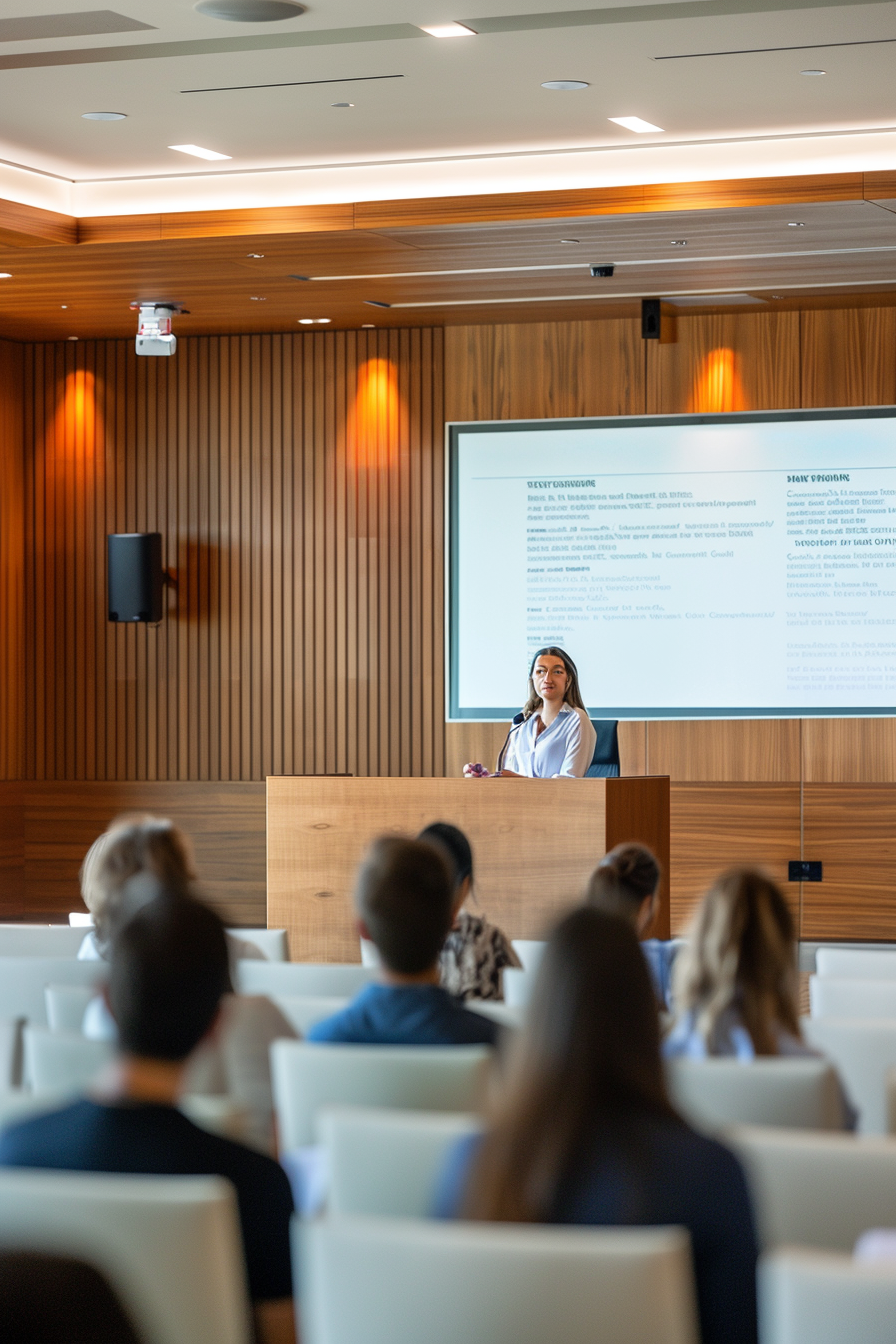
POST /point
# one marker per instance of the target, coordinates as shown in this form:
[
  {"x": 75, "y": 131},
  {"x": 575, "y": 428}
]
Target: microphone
[{"x": 518, "y": 721}]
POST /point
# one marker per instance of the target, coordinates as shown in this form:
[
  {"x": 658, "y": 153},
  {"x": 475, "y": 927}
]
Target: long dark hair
[
  {"x": 586, "y": 1067},
  {"x": 573, "y": 695}
]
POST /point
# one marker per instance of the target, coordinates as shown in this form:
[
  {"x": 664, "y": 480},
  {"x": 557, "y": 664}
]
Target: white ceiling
[{"x": 477, "y": 96}]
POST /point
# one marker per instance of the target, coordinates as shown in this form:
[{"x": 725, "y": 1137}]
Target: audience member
[
  {"x": 626, "y": 883},
  {"x": 52, "y": 1299},
  {"x": 404, "y": 902},
  {"x": 168, "y": 973},
  {"x": 584, "y": 1132},
  {"x": 475, "y": 953}
]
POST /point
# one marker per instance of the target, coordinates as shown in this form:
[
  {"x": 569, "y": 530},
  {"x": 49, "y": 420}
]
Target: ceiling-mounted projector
[{"x": 154, "y": 334}]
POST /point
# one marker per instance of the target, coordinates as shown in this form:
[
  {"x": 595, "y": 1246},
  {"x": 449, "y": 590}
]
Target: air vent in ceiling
[{"x": 35, "y": 26}]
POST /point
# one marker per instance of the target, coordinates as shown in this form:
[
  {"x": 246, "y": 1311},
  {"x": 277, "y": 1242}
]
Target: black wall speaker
[
  {"x": 135, "y": 576},
  {"x": 650, "y": 319}
]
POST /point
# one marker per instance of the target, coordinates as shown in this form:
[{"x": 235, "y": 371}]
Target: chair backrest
[
  {"x": 387, "y": 1163},
  {"x": 856, "y": 964},
  {"x": 305, "y": 1010},
  {"x": 863, "y": 1050},
  {"x": 10, "y": 1052},
  {"x": 66, "y": 1005},
  {"x": 274, "y": 943},
  {"x": 790, "y": 1093},
  {"x": 518, "y": 985},
  {"x": 301, "y": 978},
  {"x": 837, "y": 996},
  {"x": 400, "y": 1281},
  {"x": 605, "y": 761},
  {"x": 39, "y": 940},
  {"x": 370, "y": 957},
  {"x": 505, "y": 1014},
  {"x": 63, "y": 1062},
  {"x": 169, "y": 1246},
  {"x": 23, "y": 979},
  {"x": 817, "y": 1297},
  {"x": 426, "y": 1078},
  {"x": 812, "y": 1189},
  {"x": 530, "y": 951}
]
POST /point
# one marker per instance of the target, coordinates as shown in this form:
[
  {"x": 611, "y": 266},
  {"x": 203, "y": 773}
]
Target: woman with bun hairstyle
[
  {"x": 475, "y": 952},
  {"x": 553, "y": 738},
  {"x": 626, "y": 883},
  {"x": 583, "y": 1132}
]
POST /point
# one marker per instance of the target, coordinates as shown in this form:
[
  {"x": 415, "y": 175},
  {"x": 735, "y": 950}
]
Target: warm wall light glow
[
  {"x": 717, "y": 386},
  {"x": 374, "y": 417}
]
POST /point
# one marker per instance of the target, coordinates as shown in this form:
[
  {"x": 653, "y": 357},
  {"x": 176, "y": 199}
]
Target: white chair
[
  {"x": 503, "y": 1013},
  {"x": 79, "y": 919},
  {"x": 818, "y": 1297},
  {"x": 853, "y": 964},
  {"x": 427, "y": 1078},
  {"x": 304, "y": 1011},
  {"x": 16, "y": 1104},
  {"x": 370, "y": 957},
  {"x": 66, "y": 1005},
  {"x": 530, "y": 951},
  {"x": 274, "y": 943},
  {"x": 10, "y": 1052},
  {"x": 170, "y": 1246},
  {"x": 518, "y": 985},
  {"x": 23, "y": 979},
  {"x": 791, "y": 1093},
  {"x": 63, "y": 1062},
  {"x": 301, "y": 979},
  {"x": 39, "y": 940},
  {"x": 402, "y": 1281},
  {"x": 813, "y": 1189},
  {"x": 837, "y": 996},
  {"x": 863, "y": 1051},
  {"x": 387, "y": 1163}
]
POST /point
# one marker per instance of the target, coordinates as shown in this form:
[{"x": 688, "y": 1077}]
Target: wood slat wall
[
  {"x": 297, "y": 482},
  {"x": 12, "y": 565}
]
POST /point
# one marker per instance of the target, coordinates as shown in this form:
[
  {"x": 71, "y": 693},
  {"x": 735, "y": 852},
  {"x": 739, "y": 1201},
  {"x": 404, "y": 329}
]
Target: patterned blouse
[{"x": 474, "y": 957}]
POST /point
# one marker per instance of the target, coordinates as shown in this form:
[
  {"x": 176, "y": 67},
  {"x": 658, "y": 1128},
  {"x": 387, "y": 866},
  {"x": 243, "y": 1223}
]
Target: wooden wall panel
[
  {"x": 725, "y": 362},
  {"x": 849, "y": 751},
  {"x": 737, "y": 750},
  {"x": 850, "y": 829},
  {"x": 715, "y": 826},
  {"x": 849, "y": 357},
  {"x": 46, "y": 829},
  {"x": 297, "y": 482},
  {"x": 12, "y": 565},
  {"x": 537, "y": 370}
]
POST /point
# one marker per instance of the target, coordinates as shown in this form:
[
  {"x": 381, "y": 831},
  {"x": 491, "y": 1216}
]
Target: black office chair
[{"x": 605, "y": 761}]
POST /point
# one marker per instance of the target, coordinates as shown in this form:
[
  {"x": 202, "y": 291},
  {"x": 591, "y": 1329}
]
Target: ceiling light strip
[
  {"x": 299, "y": 83},
  {"x": 604, "y": 296}
]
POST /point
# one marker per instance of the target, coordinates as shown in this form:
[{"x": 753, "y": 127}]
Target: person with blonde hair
[{"x": 735, "y": 983}]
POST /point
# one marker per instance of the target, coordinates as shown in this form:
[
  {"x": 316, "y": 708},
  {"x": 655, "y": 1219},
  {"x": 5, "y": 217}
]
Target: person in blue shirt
[
  {"x": 626, "y": 882},
  {"x": 404, "y": 898},
  {"x": 583, "y": 1131}
]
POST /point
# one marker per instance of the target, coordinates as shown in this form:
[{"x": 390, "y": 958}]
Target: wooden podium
[{"x": 535, "y": 841}]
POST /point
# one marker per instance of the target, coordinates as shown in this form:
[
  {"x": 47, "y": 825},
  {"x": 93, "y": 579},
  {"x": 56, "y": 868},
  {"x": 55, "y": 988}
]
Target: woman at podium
[{"x": 553, "y": 737}]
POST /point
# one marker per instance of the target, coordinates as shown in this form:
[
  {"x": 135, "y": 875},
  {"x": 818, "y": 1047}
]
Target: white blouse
[{"x": 563, "y": 750}]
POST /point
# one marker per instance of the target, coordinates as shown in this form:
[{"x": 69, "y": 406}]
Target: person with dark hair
[
  {"x": 168, "y": 973},
  {"x": 626, "y": 883},
  {"x": 583, "y": 1131},
  {"x": 553, "y": 737},
  {"x": 53, "y": 1299},
  {"x": 475, "y": 953},
  {"x": 404, "y": 902}
]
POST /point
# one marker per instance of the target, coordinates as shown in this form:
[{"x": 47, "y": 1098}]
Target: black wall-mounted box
[{"x": 135, "y": 576}]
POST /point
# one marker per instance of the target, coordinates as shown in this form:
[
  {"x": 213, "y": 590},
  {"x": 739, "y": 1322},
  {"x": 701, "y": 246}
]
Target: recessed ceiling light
[
  {"x": 342, "y": 104},
  {"x": 636, "y": 124},
  {"x": 569, "y": 240},
  {"x": 257, "y": 256},
  {"x": 777, "y": 296},
  {"x": 306, "y": 321},
  {"x": 564, "y": 85},
  {"x": 71, "y": 338},
  {"x": 198, "y": 152},
  {"x": 258, "y": 298},
  {"x": 795, "y": 224},
  {"x": 679, "y": 242},
  {"x": 5, "y": 275},
  {"x": 813, "y": 72},
  {"x": 368, "y": 326},
  {"x": 323, "y": 319},
  {"x": 63, "y": 305},
  {"x": 104, "y": 116},
  {"x": 250, "y": 11},
  {"x": 447, "y": 30}
]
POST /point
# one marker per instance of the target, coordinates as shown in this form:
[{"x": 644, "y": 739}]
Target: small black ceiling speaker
[
  {"x": 135, "y": 576},
  {"x": 650, "y": 319}
]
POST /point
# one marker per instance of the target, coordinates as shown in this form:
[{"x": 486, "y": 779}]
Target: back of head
[
  {"x": 623, "y": 880},
  {"x": 53, "y": 1299},
  {"x": 586, "y": 1066},
  {"x": 455, "y": 845},
  {"x": 169, "y": 970},
  {"x": 404, "y": 896},
  {"x": 741, "y": 954},
  {"x": 131, "y": 845}
]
